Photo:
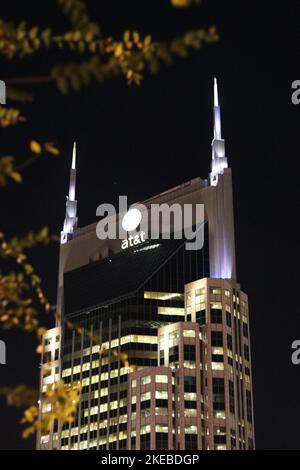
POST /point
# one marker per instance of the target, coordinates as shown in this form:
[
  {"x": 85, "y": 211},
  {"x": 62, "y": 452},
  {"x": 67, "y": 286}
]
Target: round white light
[{"x": 131, "y": 220}]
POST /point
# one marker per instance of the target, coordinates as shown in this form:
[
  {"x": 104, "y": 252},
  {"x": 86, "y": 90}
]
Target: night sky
[{"x": 143, "y": 140}]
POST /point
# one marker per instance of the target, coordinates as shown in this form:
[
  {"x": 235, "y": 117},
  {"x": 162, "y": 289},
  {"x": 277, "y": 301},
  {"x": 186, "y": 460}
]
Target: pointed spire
[
  {"x": 72, "y": 186},
  {"x": 219, "y": 161},
  {"x": 74, "y": 157},
  {"x": 70, "y": 222},
  {"x": 217, "y": 113},
  {"x": 216, "y": 95}
]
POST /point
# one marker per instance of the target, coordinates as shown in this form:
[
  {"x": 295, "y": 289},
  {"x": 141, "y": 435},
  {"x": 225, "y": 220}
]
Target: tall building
[{"x": 160, "y": 339}]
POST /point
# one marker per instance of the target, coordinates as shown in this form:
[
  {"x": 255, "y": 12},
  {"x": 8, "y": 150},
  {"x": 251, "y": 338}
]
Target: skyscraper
[{"x": 160, "y": 339}]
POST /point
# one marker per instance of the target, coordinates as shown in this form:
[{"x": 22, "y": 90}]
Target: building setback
[{"x": 159, "y": 338}]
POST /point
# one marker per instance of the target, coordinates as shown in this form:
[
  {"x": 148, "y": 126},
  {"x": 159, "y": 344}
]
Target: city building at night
[{"x": 161, "y": 340}]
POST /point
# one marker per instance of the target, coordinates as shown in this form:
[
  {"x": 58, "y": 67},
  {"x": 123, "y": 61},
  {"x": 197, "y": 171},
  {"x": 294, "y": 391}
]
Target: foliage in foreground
[{"x": 96, "y": 58}]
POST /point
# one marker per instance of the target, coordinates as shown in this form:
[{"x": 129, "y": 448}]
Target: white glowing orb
[{"x": 131, "y": 220}]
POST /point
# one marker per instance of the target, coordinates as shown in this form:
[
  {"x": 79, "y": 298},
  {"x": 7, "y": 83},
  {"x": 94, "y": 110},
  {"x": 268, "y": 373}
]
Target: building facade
[{"x": 159, "y": 338}]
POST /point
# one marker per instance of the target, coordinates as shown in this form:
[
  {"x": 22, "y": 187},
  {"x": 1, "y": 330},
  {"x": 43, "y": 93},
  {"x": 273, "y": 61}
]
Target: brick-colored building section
[{"x": 220, "y": 421}]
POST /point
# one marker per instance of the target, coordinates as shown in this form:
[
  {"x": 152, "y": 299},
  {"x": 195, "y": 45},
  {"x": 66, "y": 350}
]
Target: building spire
[
  {"x": 72, "y": 186},
  {"x": 216, "y": 95},
  {"x": 219, "y": 161},
  {"x": 74, "y": 157},
  {"x": 70, "y": 222}
]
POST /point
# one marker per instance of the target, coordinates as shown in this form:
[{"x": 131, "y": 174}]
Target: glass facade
[{"x": 109, "y": 341}]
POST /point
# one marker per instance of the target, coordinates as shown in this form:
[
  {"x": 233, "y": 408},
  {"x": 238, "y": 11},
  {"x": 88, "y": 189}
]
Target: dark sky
[{"x": 142, "y": 140}]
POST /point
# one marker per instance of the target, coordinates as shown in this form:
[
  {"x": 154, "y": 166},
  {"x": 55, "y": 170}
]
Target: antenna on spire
[
  {"x": 74, "y": 157},
  {"x": 219, "y": 160},
  {"x": 217, "y": 112},
  {"x": 216, "y": 95},
  {"x": 70, "y": 222}
]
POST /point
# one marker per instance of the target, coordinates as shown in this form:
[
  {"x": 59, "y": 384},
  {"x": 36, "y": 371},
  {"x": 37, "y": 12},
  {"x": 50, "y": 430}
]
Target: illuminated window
[
  {"x": 96, "y": 349},
  {"x": 138, "y": 339},
  {"x": 46, "y": 408},
  {"x": 216, "y": 305},
  {"x": 189, "y": 333},
  {"x": 217, "y": 366},
  {"x": 190, "y": 396},
  {"x": 103, "y": 408},
  {"x": 219, "y": 415},
  {"x": 133, "y": 383},
  {"x": 190, "y": 413},
  {"x": 171, "y": 311},
  {"x": 161, "y": 379},
  {"x": 45, "y": 439},
  {"x": 215, "y": 290},
  {"x": 145, "y": 429},
  {"x": 114, "y": 373},
  {"x": 114, "y": 343},
  {"x": 161, "y": 394},
  {"x": 66, "y": 372},
  {"x": 217, "y": 350},
  {"x": 145, "y": 396},
  {"x": 189, "y": 364},
  {"x": 190, "y": 429},
  {"x": 162, "y": 295},
  {"x": 160, "y": 428},
  {"x": 145, "y": 380}
]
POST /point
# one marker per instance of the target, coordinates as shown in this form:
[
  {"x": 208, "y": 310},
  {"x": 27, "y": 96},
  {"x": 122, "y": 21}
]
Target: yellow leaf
[
  {"x": 126, "y": 36},
  {"x": 33, "y": 32},
  {"x": 147, "y": 40},
  {"x": 51, "y": 149},
  {"x": 28, "y": 431},
  {"x": 44, "y": 232},
  {"x": 77, "y": 36},
  {"x": 40, "y": 349},
  {"x": 89, "y": 36},
  {"x": 180, "y": 3},
  {"x": 16, "y": 176},
  {"x": 136, "y": 36},
  {"x": 35, "y": 147},
  {"x": 119, "y": 50}
]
